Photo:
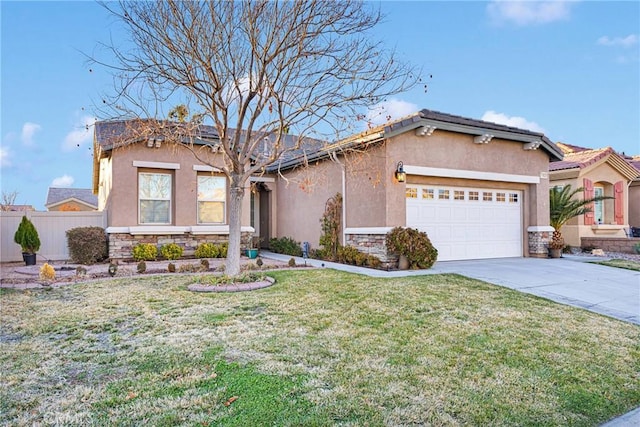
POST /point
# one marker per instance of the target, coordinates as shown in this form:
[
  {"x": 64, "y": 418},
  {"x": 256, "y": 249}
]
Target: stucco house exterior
[
  {"x": 71, "y": 199},
  {"x": 479, "y": 189},
  {"x": 600, "y": 172},
  {"x": 634, "y": 193}
]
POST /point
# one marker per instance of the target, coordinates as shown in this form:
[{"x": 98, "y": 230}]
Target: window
[
  {"x": 411, "y": 193},
  {"x": 473, "y": 195},
  {"x": 427, "y": 193},
  {"x": 598, "y": 206},
  {"x": 458, "y": 195},
  {"x": 212, "y": 196},
  {"x": 443, "y": 194},
  {"x": 487, "y": 196},
  {"x": 154, "y": 198},
  {"x": 513, "y": 197},
  {"x": 501, "y": 197}
]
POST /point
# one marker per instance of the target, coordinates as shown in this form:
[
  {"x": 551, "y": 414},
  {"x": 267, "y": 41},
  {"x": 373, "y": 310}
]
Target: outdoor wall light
[{"x": 401, "y": 175}]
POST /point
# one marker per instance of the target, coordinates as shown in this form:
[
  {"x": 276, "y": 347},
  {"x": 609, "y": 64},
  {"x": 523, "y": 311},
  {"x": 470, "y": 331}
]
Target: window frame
[
  {"x": 199, "y": 200},
  {"x": 599, "y": 205},
  {"x": 170, "y": 199}
]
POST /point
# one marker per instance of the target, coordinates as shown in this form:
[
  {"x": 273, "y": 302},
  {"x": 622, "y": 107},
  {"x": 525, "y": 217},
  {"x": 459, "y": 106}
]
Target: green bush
[
  {"x": 636, "y": 248},
  {"x": 413, "y": 244},
  {"x": 207, "y": 250},
  {"x": 144, "y": 252},
  {"x": 223, "y": 247},
  {"x": 171, "y": 251},
  {"x": 27, "y": 236},
  {"x": 142, "y": 267},
  {"x": 87, "y": 245},
  {"x": 285, "y": 245},
  {"x": 351, "y": 255}
]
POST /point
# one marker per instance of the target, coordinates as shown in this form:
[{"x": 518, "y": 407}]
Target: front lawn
[
  {"x": 621, "y": 263},
  {"x": 318, "y": 348}
]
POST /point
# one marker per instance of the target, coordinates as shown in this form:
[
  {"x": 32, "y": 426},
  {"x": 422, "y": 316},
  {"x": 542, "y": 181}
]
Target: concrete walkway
[{"x": 613, "y": 292}]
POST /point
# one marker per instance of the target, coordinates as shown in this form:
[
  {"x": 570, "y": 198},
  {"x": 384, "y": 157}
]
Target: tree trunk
[{"x": 236, "y": 195}]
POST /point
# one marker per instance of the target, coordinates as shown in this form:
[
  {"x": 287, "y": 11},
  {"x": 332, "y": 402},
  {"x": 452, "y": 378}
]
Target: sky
[{"x": 569, "y": 69}]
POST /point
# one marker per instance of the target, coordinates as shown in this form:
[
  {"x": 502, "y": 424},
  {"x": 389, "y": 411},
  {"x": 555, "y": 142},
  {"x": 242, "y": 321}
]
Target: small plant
[
  {"x": 251, "y": 266},
  {"x": 292, "y": 262},
  {"x": 27, "y": 236},
  {"x": 87, "y": 245},
  {"x": 171, "y": 251},
  {"x": 204, "y": 264},
  {"x": 259, "y": 262},
  {"x": 47, "y": 272},
  {"x": 113, "y": 269},
  {"x": 188, "y": 268},
  {"x": 207, "y": 250},
  {"x": 285, "y": 245},
  {"x": 351, "y": 255},
  {"x": 223, "y": 248},
  {"x": 144, "y": 252},
  {"x": 636, "y": 248},
  {"x": 81, "y": 271},
  {"x": 331, "y": 226},
  {"x": 413, "y": 244},
  {"x": 171, "y": 267},
  {"x": 142, "y": 267}
]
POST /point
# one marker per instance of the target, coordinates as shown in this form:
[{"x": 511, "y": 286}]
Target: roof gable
[
  {"x": 57, "y": 195},
  {"x": 583, "y": 159}
]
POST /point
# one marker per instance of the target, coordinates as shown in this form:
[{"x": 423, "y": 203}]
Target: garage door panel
[{"x": 468, "y": 225}]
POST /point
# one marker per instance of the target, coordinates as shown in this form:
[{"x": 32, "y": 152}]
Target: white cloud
[
  {"x": 5, "y": 160},
  {"x": 390, "y": 110},
  {"x": 628, "y": 41},
  {"x": 63, "y": 181},
  {"x": 28, "y": 131},
  {"x": 517, "y": 122},
  {"x": 81, "y": 134},
  {"x": 523, "y": 12}
]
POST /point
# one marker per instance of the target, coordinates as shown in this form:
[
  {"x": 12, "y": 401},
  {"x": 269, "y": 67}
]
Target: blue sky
[{"x": 568, "y": 69}]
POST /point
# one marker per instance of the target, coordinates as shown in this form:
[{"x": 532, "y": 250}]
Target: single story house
[
  {"x": 71, "y": 199},
  {"x": 634, "y": 193},
  {"x": 479, "y": 189},
  {"x": 601, "y": 172}
]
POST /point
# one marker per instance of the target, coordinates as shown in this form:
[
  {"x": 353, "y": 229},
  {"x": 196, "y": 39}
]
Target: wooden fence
[{"x": 52, "y": 228}]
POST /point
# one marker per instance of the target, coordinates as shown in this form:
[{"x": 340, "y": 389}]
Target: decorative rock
[{"x": 598, "y": 252}]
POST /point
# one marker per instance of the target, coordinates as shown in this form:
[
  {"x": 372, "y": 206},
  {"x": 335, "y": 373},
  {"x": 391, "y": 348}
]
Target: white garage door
[{"x": 467, "y": 223}]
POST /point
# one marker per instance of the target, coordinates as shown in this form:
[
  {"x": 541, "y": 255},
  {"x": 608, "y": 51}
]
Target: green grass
[
  {"x": 621, "y": 263},
  {"x": 319, "y": 348}
]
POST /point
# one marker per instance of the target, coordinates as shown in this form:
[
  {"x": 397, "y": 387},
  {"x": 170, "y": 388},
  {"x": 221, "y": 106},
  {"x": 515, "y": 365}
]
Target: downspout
[{"x": 334, "y": 157}]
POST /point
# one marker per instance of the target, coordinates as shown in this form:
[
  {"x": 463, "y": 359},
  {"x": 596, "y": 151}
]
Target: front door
[{"x": 264, "y": 202}]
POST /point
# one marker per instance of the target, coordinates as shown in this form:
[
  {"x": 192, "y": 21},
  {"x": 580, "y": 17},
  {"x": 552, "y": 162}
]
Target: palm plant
[{"x": 563, "y": 206}]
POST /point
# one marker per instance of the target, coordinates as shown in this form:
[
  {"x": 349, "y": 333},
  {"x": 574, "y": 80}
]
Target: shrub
[
  {"x": 27, "y": 236},
  {"x": 142, "y": 267},
  {"x": 292, "y": 262},
  {"x": 171, "y": 267},
  {"x": 204, "y": 264},
  {"x": 351, "y": 255},
  {"x": 171, "y": 251},
  {"x": 81, "y": 271},
  {"x": 207, "y": 250},
  {"x": 223, "y": 248},
  {"x": 188, "y": 268},
  {"x": 285, "y": 245},
  {"x": 47, "y": 272},
  {"x": 413, "y": 244},
  {"x": 636, "y": 248},
  {"x": 87, "y": 245},
  {"x": 145, "y": 252},
  {"x": 259, "y": 262},
  {"x": 113, "y": 269}
]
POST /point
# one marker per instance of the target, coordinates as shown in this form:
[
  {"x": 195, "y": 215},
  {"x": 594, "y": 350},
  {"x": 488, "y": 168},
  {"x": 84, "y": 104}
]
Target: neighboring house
[
  {"x": 479, "y": 189},
  {"x": 71, "y": 199},
  {"x": 17, "y": 208},
  {"x": 634, "y": 193},
  {"x": 601, "y": 172}
]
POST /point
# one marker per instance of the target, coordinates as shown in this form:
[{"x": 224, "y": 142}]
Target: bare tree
[
  {"x": 257, "y": 71},
  {"x": 8, "y": 200}
]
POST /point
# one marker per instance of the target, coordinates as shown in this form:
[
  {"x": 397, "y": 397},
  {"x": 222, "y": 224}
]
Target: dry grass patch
[
  {"x": 318, "y": 348},
  {"x": 621, "y": 263}
]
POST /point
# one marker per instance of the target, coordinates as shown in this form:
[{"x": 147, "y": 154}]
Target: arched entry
[{"x": 260, "y": 213}]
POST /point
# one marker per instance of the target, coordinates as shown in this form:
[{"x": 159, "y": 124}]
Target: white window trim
[
  {"x": 151, "y": 230},
  {"x": 155, "y": 165},
  {"x": 206, "y": 168},
  {"x": 468, "y": 174}
]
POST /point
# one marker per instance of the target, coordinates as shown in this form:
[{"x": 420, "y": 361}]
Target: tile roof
[
  {"x": 580, "y": 159},
  {"x": 58, "y": 195},
  {"x": 568, "y": 148}
]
